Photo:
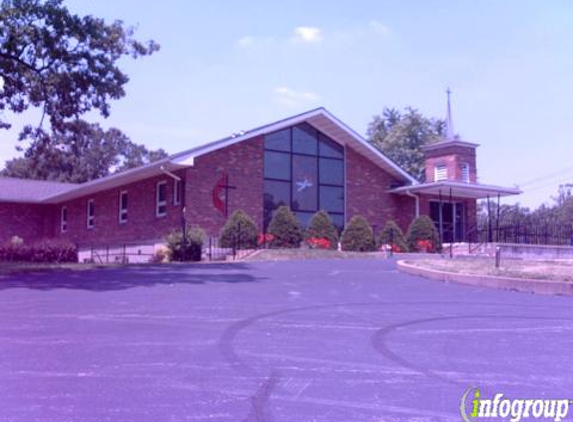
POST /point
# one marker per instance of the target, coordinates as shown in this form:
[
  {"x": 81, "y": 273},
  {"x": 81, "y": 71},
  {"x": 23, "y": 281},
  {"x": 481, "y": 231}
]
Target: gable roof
[
  {"x": 27, "y": 190},
  {"x": 449, "y": 143},
  {"x": 320, "y": 118}
]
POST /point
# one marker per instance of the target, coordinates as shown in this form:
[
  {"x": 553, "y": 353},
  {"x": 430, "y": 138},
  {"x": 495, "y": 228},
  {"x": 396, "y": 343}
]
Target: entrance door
[{"x": 449, "y": 220}]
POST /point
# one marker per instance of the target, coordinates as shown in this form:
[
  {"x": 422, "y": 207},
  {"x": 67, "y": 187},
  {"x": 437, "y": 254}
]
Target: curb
[{"x": 525, "y": 285}]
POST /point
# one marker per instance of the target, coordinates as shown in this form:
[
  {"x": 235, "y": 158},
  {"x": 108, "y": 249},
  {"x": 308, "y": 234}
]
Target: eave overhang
[{"x": 457, "y": 189}]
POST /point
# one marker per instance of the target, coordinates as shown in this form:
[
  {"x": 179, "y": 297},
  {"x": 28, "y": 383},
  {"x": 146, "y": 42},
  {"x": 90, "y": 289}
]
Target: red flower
[
  {"x": 396, "y": 249},
  {"x": 263, "y": 238},
  {"x": 425, "y": 245},
  {"x": 318, "y": 243}
]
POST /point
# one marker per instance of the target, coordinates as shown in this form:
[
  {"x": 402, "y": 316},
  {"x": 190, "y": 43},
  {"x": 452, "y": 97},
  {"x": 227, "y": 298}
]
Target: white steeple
[{"x": 450, "y": 136}]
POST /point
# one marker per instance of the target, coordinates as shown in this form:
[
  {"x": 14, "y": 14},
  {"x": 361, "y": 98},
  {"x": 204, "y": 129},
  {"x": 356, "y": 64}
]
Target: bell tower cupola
[{"x": 451, "y": 158}]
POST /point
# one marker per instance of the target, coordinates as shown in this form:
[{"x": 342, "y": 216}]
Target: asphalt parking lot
[{"x": 300, "y": 341}]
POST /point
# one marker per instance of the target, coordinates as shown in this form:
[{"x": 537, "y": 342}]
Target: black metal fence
[
  {"x": 238, "y": 247},
  {"x": 134, "y": 252},
  {"x": 213, "y": 251},
  {"x": 543, "y": 233},
  {"x": 141, "y": 252}
]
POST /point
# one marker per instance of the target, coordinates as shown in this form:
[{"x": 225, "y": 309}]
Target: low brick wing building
[{"x": 310, "y": 161}]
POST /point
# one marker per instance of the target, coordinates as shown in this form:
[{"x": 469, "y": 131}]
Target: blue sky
[{"x": 225, "y": 66}]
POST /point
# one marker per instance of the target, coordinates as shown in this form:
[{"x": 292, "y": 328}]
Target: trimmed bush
[
  {"x": 159, "y": 257},
  {"x": 48, "y": 250},
  {"x": 188, "y": 249},
  {"x": 358, "y": 235},
  {"x": 284, "y": 229},
  {"x": 321, "y": 233},
  {"x": 54, "y": 250},
  {"x": 15, "y": 250},
  {"x": 423, "y": 236},
  {"x": 393, "y": 236},
  {"x": 239, "y": 231}
]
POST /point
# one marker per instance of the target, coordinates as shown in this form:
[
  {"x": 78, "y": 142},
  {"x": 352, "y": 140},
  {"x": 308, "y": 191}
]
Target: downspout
[
  {"x": 417, "y": 198},
  {"x": 182, "y": 187},
  {"x": 167, "y": 172}
]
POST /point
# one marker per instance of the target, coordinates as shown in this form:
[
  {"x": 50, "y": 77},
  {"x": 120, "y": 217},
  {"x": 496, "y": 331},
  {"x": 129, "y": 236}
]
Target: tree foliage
[
  {"x": 239, "y": 231},
  {"x": 321, "y": 227},
  {"x": 185, "y": 248},
  {"x": 392, "y": 235},
  {"x": 80, "y": 152},
  {"x": 59, "y": 62},
  {"x": 284, "y": 229},
  {"x": 423, "y": 236},
  {"x": 358, "y": 235},
  {"x": 401, "y": 136},
  {"x": 550, "y": 222}
]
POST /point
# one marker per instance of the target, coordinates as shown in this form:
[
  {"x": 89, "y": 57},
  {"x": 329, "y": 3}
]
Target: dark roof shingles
[{"x": 26, "y": 190}]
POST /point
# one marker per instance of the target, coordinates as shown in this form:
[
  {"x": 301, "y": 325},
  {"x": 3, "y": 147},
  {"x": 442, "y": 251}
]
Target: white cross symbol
[{"x": 303, "y": 185}]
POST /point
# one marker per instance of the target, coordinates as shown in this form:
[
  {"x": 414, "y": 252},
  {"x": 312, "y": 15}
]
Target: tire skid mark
[
  {"x": 227, "y": 338},
  {"x": 380, "y": 340},
  {"x": 260, "y": 411}
]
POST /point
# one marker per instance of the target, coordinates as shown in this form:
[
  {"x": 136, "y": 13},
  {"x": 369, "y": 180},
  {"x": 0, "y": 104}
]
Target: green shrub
[
  {"x": 321, "y": 233},
  {"x": 423, "y": 236},
  {"x": 358, "y": 235},
  {"x": 54, "y": 250},
  {"x": 159, "y": 257},
  {"x": 284, "y": 229},
  {"x": 46, "y": 250},
  {"x": 392, "y": 235},
  {"x": 188, "y": 249},
  {"x": 239, "y": 231}
]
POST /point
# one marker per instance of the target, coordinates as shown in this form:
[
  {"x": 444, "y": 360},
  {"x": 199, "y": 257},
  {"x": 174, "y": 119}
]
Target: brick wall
[
  {"x": 367, "y": 194},
  {"x": 243, "y": 162},
  {"x": 453, "y": 157},
  {"x": 142, "y": 224},
  {"x": 29, "y": 221}
]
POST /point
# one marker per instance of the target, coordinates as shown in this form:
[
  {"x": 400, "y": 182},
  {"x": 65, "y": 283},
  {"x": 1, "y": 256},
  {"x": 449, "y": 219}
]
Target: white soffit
[{"x": 458, "y": 189}]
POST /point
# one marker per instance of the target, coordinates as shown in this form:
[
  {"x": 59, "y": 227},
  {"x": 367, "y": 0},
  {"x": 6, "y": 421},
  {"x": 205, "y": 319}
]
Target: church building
[{"x": 310, "y": 161}]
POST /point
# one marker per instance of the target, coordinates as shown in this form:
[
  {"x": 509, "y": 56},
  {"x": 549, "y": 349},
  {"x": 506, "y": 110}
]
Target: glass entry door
[{"x": 449, "y": 218}]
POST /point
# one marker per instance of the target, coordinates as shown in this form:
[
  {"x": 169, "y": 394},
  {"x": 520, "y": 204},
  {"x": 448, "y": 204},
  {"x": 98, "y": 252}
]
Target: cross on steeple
[{"x": 449, "y": 121}]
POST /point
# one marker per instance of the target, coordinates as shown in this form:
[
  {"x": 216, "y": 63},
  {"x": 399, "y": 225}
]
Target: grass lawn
[{"x": 543, "y": 270}]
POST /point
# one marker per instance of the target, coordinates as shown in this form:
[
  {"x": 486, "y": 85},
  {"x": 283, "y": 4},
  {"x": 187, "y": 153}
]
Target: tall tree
[
  {"x": 61, "y": 63},
  {"x": 80, "y": 152},
  {"x": 401, "y": 136}
]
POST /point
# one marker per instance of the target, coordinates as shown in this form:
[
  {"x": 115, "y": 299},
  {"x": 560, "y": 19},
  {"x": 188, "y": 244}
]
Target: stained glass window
[
  {"x": 332, "y": 199},
  {"x": 278, "y": 141},
  {"x": 304, "y": 169},
  {"x": 277, "y": 165},
  {"x": 329, "y": 148},
  {"x": 304, "y": 139},
  {"x": 331, "y": 171},
  {"x": 304, "y": 183}
]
